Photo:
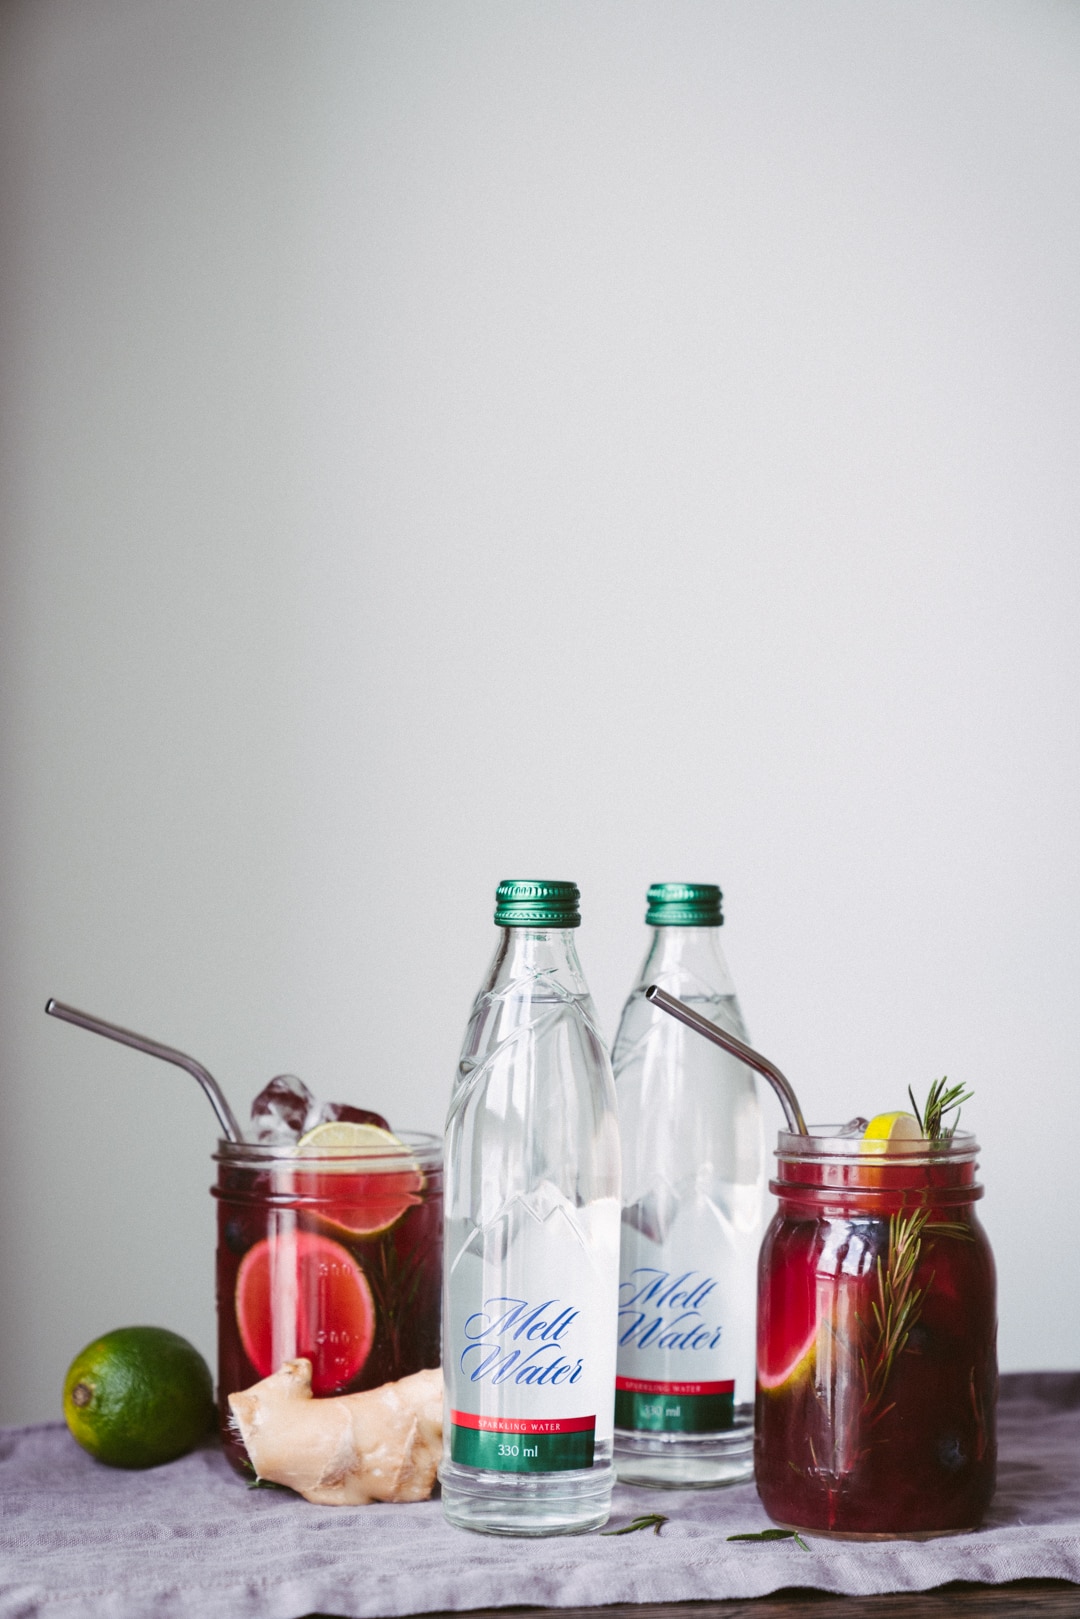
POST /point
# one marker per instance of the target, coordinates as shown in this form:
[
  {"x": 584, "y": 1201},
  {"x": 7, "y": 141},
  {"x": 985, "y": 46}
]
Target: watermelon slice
[{"x": 787, "y": 1310}]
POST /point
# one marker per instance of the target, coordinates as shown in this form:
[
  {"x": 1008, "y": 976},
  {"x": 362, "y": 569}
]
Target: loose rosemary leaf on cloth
[
  {"x": 190, "y": 1541},
  {"x": 651, "y": 1520},
  {"x": 774, "y": 1534}
]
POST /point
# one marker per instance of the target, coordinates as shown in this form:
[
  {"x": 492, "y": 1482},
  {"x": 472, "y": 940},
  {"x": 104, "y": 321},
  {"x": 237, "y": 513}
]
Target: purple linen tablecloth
[{"x": 78, "y": 1539}]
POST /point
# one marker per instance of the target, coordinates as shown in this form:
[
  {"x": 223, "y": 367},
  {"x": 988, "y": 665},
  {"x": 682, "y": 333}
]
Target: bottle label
[
  {"x": 653, "y": 1407},
  {"x": 529, "y": 1342},
  {"x": 675, "y": 1370},
  {"x": 521, "y": 1446}
]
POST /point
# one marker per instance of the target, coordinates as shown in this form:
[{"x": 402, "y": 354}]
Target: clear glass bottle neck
[
  {"x": 687, "y": 951},
  {"x": 529, "y": 952}
]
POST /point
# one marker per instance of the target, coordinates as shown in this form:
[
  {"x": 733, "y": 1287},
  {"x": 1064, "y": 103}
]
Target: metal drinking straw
[
  {"x": 738, "y": 1048},
  {"x": 154, "y": 1048}
]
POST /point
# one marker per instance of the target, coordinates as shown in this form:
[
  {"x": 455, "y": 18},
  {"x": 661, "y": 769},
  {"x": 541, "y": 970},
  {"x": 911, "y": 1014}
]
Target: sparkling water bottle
[
  {"x": 693, "y": 1204},
  {"x": 532, "y": 1238}
]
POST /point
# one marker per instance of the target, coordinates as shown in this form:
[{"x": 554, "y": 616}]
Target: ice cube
[
  {"x": 344, "y": 1112},
  {"x": 853, "y": 1127},
  {"x": 280, "y": 1112}
]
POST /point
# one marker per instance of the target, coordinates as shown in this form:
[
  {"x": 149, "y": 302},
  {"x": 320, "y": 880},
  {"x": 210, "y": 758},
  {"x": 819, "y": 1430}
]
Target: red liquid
[
  {"x": 343, "y": 1268},
  {"x": 854, "y": 1440}
]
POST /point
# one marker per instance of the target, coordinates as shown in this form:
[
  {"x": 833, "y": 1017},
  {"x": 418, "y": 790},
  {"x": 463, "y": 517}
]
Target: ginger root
[{"x": 349, "y": 1449}]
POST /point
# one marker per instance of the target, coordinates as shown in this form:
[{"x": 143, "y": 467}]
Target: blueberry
[
  {"x": 235, "y": 1237},
  {"x": 950, "y": 1453}
]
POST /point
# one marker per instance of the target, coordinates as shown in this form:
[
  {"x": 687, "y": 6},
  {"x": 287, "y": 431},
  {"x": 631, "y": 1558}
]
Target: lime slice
[
  {"x": 886, "y": 1128},
  {"x": 347, "y": 1197},
  {"x": 343, "y": 1133}
]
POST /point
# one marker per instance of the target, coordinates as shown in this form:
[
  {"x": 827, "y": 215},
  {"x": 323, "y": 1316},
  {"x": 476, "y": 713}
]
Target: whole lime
[{"x": 138, "y": 1397}]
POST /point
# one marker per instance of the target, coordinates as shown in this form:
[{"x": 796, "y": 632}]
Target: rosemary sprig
[
  {"x": 896, "y": 1308},
  {"x": 898, "y": 1303},
  {"x": 648, "y": 1520},
  {"x": 939, "y": 1102},
  {"x": 774, "y": 1534}
]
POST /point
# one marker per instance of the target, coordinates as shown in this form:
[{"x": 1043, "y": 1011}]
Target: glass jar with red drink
[
  {"x": 334, "y": 1254},
  {"x": 877, "y": 1362}
]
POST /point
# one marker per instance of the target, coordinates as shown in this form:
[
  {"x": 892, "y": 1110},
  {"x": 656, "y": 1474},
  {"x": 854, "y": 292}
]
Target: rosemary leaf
[
  {"x": 943, "y": 1099},
  {"x": 774, "y": 1534},
  {"x": 649, "y": 1520},
  {"x": 915, "y": 1110},
  {"x": 949, "y": 1228}
]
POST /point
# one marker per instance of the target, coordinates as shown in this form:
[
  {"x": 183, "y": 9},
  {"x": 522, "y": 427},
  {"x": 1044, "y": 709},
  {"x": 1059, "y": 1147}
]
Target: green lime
[{"x": 138, "y": 1397}]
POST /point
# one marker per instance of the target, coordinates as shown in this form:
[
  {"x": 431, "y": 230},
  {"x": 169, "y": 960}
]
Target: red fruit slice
[
  {"x": 301, "y": 1294},
  {"x": 358, "y": 1205},
  {"x": 359, "y": 1202},
  {"x": 787, "y": 1309}
]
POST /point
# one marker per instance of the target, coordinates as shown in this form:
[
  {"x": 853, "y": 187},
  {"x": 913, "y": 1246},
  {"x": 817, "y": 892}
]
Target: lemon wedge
[{"x": 888, "y": 1127}]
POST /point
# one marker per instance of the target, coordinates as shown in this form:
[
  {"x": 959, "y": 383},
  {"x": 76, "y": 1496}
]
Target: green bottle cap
[
  {"x": 537, "y": 905},
  {"x": 684, "y": 905}
]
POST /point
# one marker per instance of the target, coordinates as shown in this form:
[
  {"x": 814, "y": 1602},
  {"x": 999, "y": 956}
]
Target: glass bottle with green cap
[
  {"x": 693, "y": 1159},
  {"x": 532, "y": 1238}
]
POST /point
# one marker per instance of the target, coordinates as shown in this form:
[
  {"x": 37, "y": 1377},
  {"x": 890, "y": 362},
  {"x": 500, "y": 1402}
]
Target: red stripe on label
[
  {"x": 469, "y": 1419},
  {"x": 638, "y": 1385}
]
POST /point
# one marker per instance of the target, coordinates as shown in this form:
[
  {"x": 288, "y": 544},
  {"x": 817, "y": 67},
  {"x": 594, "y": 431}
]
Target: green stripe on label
[
  {"x": 522, "y": 1453},
  {"x": 674, "y": 1413}
]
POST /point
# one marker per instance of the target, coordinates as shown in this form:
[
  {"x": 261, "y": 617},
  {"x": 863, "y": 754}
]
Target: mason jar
[
  {"x": 333, "y": 1254},
  {"x": 877, "y": 1361}
]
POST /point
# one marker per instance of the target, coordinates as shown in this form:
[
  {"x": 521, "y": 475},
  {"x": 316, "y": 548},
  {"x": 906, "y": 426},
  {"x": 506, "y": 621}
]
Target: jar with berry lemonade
[
  {"x": 330, "y": 1249},
  {"x": 877, "y": 1368},
  {"x": 329, "y": 1236}
]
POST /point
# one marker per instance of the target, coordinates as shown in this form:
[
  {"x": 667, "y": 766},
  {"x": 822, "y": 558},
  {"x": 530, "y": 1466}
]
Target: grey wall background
[{"x": 453, "y": 441}]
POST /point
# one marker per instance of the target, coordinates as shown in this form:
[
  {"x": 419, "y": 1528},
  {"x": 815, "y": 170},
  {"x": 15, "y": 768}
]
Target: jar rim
[
  {"x": 830, "y": 1142},
  {"x": 417, "y": 1147}
]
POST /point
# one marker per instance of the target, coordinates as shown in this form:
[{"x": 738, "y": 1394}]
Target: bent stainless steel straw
[
  {"x": 738, "y": 1048},
  {"x": 154, "y": 1048}
]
